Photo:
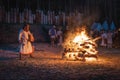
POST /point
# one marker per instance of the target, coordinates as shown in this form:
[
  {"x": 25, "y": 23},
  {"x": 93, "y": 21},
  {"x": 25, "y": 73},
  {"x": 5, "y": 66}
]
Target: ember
[{"x": 79, "y": 46}]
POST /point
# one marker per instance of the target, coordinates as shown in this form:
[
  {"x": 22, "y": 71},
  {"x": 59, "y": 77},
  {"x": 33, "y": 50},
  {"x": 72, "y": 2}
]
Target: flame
[
  {"x": 80, "y": 38},
  {"x": 79, "y": 44}
]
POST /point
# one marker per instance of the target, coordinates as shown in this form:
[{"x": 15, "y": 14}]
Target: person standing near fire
[
  {"x": 25, "y": 38},
  {"x": 109, "y": 39},
  {"x": 60, "y": 36},
  {"x": 53, "y": 35},
  {"x": 104, "y": 39}
]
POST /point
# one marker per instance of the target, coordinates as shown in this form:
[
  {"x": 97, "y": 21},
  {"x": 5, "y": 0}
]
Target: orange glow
[
  {"x": 79, "y": 45},
  {"x": 90, "y": 59}
]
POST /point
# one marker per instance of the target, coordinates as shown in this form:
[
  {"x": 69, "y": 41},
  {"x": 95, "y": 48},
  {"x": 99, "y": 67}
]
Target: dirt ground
[{"x": 48, "y": 65}]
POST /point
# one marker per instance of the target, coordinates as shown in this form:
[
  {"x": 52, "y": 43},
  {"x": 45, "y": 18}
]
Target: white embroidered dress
[{"x": 25, "y": 46}]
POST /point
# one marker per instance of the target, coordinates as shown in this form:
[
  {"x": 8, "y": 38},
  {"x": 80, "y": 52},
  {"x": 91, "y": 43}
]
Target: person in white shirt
[
  {"x": 53, "y": 35},
  {"x": 109, "y": 39},
  {"x": 25, "y": 42},
  {"x": 104, "y": 39},
  {"x": 60, "y": 36}
]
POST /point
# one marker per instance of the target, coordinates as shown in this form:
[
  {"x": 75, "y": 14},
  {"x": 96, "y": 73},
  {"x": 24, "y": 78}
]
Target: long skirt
[{"x": 26, "y": 48}]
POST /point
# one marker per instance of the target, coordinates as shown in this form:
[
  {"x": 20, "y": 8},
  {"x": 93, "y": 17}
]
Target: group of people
[
  {"x": 56, "y": 36},
  {"x": 105, "y": 31},
  {"x": 26, "y": 38},
  {"x": 106, "y": 39}
]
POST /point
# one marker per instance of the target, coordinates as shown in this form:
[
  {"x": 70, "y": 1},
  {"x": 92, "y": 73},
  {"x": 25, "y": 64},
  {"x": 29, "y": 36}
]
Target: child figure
[{"x": 25, "y": 42}]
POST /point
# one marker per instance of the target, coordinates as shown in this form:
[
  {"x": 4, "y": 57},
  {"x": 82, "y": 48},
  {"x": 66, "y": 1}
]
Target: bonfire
[{"x": 79, "y": 46}]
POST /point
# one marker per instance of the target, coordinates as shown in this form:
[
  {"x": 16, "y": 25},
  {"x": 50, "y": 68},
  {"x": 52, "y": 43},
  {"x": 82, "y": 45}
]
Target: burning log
[{"x": 80, "y": 47}]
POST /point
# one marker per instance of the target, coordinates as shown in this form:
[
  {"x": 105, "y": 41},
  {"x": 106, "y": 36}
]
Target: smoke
[
  {"x": 78, "y": 22},
  {"x": 78, "y": 19}
]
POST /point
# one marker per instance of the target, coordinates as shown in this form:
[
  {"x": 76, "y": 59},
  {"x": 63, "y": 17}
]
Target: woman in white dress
[{"x": 25, "y": 43}]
